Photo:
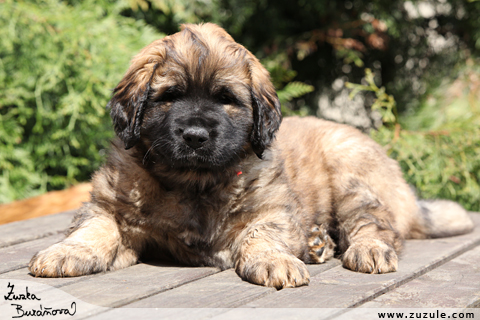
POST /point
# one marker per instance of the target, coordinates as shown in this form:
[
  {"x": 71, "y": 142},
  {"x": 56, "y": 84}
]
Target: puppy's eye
[
  {"x": 226, "y": 99},
  {"x": 225, "y": 96},
  {"x": 171, "y": 94}
]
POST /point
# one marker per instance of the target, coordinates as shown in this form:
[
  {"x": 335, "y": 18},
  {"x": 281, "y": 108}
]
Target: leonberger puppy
[{"x": 203, "y": 173}]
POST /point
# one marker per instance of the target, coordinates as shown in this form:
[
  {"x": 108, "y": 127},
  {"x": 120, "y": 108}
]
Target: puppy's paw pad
[
  {"x": 274, "y": 269},
  {"x": 64, "y": 260},
  {"x": 370, "y": 256},
  {"x": 321, "y": 246}
]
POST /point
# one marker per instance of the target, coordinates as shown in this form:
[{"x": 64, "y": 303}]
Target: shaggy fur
[{"x": 197, "y": 176}]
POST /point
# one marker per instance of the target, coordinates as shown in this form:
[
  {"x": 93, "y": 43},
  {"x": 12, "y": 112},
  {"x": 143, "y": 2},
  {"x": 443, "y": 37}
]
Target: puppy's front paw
[
  {"x": 370, "y": 256},
  {"x": 321, "y": 245},
  {"x": 65, "y": 260},
  {"x": 273, "y": 268}
]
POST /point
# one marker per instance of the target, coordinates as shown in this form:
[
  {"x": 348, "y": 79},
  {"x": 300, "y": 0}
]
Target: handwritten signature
[{"x": 34, "y": 312}]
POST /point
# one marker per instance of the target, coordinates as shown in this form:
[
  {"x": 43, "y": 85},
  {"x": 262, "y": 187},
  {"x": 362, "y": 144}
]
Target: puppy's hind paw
[{"x": 320, "y": 244}]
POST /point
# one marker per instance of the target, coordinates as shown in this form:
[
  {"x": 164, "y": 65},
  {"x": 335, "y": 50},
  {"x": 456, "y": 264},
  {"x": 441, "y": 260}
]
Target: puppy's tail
[{"x": 440, "y": 218}]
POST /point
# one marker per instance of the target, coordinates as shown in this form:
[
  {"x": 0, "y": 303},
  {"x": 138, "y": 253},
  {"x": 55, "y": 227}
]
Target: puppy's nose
[{"x": 195, "y": 137}]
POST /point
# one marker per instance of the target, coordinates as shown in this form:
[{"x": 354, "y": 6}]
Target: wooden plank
[
  {"x": 24, "y": 275},
  {"x": 456, "y": 284},
  {"x": 27, "y": 230},
  {"x": 91, "y": 293},
  {"x": 19, "y": 255},
  {"x": 214, "y": 313},
  {"x": 205, "y": 298},
  {"x": 211, "y": 313},
  {"x": 113, "y": 289},
  {"x": 163, "y": 313},
  {"x": 275, "y": 314},
  {"x": 222, "y": 290},
  {"x": 350, "y": 289},
  {"x": 316, "y": 269}
]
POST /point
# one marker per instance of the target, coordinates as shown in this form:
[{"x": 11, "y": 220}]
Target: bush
[
  {"x": 58, "y": 65},
  {"x": 438, "y": 147}
]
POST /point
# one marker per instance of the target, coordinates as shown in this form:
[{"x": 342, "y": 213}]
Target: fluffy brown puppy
[{"x": 196, "y": 175}]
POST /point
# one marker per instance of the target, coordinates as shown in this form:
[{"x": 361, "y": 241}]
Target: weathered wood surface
[
  {"x": 454, "y": 284},
  {"x": 440, "y": 273},
  {"x": 19, "y": 255},
  {"x": 22, "y": 231}
]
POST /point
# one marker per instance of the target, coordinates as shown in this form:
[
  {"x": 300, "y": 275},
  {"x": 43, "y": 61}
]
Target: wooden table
[{"x": 434, "y": 276}]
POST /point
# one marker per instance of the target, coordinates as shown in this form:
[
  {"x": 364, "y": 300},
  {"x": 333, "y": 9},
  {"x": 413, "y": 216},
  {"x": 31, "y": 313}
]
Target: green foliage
[
  {"x": 293, "y": 90},
  {"x": 350, "y": 56},
  {"x": 384, "y": 103},
  {"x": 287, "y": 90},
  {"x": 438, "y": 147},
  {"x": 58, "y": 65}
]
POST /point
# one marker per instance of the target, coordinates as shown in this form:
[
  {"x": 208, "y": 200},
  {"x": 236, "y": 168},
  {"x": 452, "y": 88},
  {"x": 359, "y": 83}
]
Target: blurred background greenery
[{"x": 405, "y": 72}]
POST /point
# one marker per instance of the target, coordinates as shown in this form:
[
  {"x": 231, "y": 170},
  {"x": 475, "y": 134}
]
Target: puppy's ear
[
  {"x": 267, "y": 114},
  {"x": 129, "y": 102}
]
